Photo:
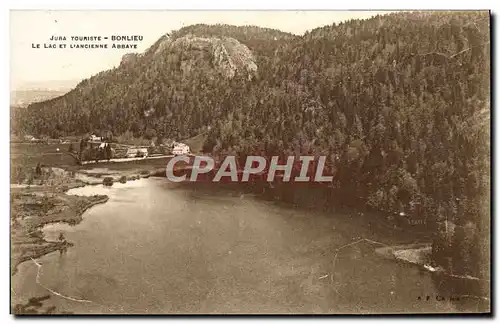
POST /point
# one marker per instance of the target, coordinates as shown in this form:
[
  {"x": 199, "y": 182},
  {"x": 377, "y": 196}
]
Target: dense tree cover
[{"x": 400, "y": 103}]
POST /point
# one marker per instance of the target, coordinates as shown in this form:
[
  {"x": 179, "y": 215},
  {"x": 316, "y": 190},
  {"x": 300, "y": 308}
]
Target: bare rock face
[
  {"x": 227, "y": 55},
  {"x": 129, "y": 58}
]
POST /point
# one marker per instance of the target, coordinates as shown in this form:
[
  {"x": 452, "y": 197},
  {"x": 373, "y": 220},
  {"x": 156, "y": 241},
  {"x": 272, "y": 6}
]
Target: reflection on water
[{"x": 156, "y": 249}]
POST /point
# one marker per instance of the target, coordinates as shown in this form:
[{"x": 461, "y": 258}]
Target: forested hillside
[{"x": 402, "y": 101}]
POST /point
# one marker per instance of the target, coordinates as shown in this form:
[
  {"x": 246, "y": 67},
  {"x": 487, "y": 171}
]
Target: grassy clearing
[
  {"x": 195, "y": 143},
  {"x": 28, "y": 155}
]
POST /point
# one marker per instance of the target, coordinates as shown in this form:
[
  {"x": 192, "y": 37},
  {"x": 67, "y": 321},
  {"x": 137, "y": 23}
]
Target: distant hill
[
  {"x": 398, "y": 102},
  {"x": 22, "y": 98},
  {"x": 25, "y": 93},
  {"x": 51, "y": 85}
]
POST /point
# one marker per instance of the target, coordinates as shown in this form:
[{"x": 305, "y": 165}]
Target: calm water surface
[{"x": 156, "y": 249}]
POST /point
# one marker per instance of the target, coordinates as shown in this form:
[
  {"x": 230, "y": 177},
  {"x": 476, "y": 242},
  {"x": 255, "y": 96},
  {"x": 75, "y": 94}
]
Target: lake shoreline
[
  {"x": 38, "y": 204},
  {"x": 31, "y": 210}
]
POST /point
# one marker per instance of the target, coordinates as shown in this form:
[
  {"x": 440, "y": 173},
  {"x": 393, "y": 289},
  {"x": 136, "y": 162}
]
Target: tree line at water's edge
[{"x": 400, "y": 103}]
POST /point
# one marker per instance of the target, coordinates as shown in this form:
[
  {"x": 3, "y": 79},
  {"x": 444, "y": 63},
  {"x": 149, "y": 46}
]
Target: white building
[
  {"x": 137, "y": 152},
  {"x": 94, "y": 138},
  {"x": 180, "y": 149}
]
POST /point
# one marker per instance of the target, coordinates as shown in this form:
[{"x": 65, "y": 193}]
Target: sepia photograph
[{"x": 250, "y": 162}]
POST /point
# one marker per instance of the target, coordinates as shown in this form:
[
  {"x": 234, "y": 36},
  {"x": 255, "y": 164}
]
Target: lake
[{"x": 155, "y": 248}]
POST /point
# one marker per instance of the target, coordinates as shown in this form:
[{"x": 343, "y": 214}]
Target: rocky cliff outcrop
[{"x": 227, "y": 55}]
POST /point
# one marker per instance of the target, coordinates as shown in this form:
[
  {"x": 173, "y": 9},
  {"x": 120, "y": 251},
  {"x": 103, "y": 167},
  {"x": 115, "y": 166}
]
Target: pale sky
[{"x": 29, "y": 65}]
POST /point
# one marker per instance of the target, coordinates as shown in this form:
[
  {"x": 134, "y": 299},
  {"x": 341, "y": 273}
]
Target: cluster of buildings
[
  {"x": 123, "y": 151},
  {"x": 175, "y": 149}
]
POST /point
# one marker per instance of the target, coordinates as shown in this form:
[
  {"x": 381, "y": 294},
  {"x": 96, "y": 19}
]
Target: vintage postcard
[{"x": 250, "y": 162}]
